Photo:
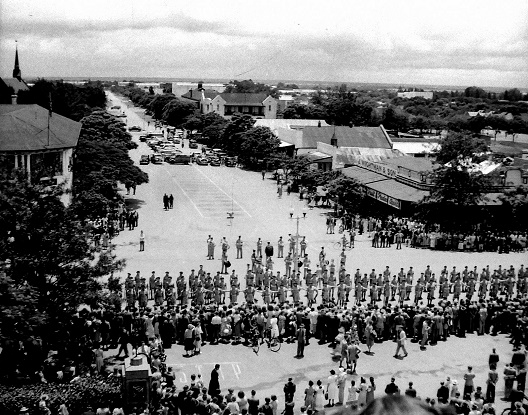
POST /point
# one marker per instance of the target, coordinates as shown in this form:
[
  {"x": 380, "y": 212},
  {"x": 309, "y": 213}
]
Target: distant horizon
[
  {"x": 350, "y": 84},
  {"x": 435, "y": 44}
]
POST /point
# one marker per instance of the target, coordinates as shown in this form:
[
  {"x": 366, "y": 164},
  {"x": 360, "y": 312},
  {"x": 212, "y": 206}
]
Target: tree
[
  {"x": 69, "y": 100},
  {"x": 175, "y": 112},
  {"x": 346, "y": 191},
  {"x": 395, "y": 120},
  {"x": 231, "y": 139},
  {"x": 305, "y": 112},
  {"x": 257, "y": 143},
  {"x": 456, "y": 145},
  {"x": 101, "y": 161},
  {"x": 516, "y": 203},
  {"x": 54, "y": 267},
  {"x": 158, "y": 103},
  {"x": 247, "y": 86},
  {"x": 453, "y": 202}
]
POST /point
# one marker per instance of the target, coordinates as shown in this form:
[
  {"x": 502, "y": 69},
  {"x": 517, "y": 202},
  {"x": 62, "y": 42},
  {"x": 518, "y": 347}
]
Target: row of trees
[{"x": 49, "y": 265}]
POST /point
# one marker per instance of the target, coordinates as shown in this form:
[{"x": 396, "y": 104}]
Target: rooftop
[
  {"x": 244, "y": 99},
  {"x": 420, "y": 164},
  {"x": 15, "y": 84},
  {"x": 196, "y": 94},
  {"x": 25, "y": 128},
  {"x": 369, "y": 137}
]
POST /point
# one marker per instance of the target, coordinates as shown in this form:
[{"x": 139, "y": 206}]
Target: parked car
[
  {"x": 156, "y": 158},
  {"x": 143, "y": 138},
  {"x": 135, "y": 128},
  {"x": 144, "y": 159},
  {"x": 230, "y": 161},
  {"x": 193, "y": 144},
  {"x": 215, "y": 162},
  {"x": 176, "y": 141},
  {"x": 202, "y": 161},
  {"x": 123, "y": 115},
  {"x": 116, "y": 107},
  {"x": 179, "y": 159}
]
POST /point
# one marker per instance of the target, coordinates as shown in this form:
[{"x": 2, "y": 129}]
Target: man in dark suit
[
  {"x": 410, "y": 391},
  {"x": 289, "y": 390},
  {"x": 443, "y": 393},
  {"x": 301, "y": 340}
]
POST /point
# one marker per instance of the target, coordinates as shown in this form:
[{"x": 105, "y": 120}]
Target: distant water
[{"x": 300, "y": 83}]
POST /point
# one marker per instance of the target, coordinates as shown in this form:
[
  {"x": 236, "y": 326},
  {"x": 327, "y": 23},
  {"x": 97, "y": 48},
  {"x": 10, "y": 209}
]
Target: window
[
  {"x": 218, "y": 107},
  {"x": 269, "y": 108}
]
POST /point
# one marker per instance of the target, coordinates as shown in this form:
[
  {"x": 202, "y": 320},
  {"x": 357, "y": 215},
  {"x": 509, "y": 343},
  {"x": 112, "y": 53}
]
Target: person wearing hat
[{"x": 301, "y": 340}]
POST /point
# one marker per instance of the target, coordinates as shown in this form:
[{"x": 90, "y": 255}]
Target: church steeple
[{"x": 17, "y": 73}]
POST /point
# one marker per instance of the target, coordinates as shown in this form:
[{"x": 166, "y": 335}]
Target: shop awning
[
  {"x": 363, "y": 175},
  {"x": 398, "y": 190},
  {"x": 318, "y": 156}
]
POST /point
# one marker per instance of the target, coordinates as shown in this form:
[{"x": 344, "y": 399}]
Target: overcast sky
[{"x": 462, "y": 42}]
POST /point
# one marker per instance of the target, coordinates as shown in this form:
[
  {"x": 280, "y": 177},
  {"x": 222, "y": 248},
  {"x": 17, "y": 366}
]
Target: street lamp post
[{"x": 297, "y": 236}]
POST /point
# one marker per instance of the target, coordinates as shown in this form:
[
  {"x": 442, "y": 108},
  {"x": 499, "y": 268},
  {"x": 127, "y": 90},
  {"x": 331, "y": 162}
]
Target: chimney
[
  {"x": 319, "y": 124},
  {"x": 14, "y": 99},
  {"x": 190, "y": 92},
  {"x": 333, "y": 141},
  {"x": 200, "y": 85}
]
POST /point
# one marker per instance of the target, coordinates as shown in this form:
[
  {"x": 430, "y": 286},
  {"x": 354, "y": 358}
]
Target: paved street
[{"x": 176, "y": 241}]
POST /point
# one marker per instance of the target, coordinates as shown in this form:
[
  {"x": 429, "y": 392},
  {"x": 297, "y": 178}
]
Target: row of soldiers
[{"x": 202, "y": 288}]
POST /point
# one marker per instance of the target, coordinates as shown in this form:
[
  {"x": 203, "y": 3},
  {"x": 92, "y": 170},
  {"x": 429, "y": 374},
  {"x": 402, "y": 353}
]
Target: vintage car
[
  {"x": 230, "y": 161},
  {"x": 179, "y": 159},
  {"x": 135, "y": 128},
  {"x": 215, "y": 162},
  {"x": 156, "y": 158},
  {"x": 144, "y": 159},
  {"x": 202, "y": 161}
]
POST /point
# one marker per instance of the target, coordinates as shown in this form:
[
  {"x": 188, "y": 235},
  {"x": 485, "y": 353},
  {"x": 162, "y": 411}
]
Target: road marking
[
  {"x": 222, "y": 190},
  {"x": 184, "y": 192},
  {"x": 183, "y": 378},
  {"x": 236, "y": 369}
]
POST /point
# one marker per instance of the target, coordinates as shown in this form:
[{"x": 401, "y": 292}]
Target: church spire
[{"x": 16, "y": 71}]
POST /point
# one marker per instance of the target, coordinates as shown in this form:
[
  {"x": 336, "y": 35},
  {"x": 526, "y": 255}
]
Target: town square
[{"x": 279, "y": 209}]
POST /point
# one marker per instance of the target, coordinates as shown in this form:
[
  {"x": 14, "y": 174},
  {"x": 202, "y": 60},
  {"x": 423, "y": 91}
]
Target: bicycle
[
  {"x": 273, "y": 343},
  {"x": 339, "y": 245}
]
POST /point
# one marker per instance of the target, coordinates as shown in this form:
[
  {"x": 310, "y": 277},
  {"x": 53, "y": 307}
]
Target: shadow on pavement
[{"x": 131, "y": 203}]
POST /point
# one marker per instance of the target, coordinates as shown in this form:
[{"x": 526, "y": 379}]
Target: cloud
[
  {"x": 473, "y": 41},
  {"x": 52, "y": 28}
]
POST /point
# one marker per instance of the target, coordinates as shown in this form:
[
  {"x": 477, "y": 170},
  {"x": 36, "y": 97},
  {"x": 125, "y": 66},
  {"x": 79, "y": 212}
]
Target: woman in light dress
[
  {"x": 274, "y": 327},
  {"x": 370, "y": 336},
  {"x": 319, "y": 397},
  {"x": 331, "y": 388},
  {"x": 198, "y": 338},
  {"x": 362, "y": 395},
  {"x": 352, "y": 400}
]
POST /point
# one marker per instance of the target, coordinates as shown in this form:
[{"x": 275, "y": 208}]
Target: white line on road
[
  {"x": 202, "y": 364},
  {"x": 184, "y": 192},
  {"x": 222, "y": 190}
]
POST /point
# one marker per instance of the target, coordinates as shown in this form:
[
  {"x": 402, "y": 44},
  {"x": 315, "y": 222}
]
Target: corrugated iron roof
[
  {"x": 243, "y": 99},
  {"x": 25, "y": 128},
  {"x": 370, "y": 137},
  {"x": 398, "y": 190}
]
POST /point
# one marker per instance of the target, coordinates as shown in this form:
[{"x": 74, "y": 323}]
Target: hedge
[{"x": 94, "y": 391}]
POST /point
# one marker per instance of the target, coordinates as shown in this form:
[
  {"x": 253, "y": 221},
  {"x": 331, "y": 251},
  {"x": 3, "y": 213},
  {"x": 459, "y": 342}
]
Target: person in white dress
[
  {"x": 352, "y": 400},
  {"x": 319, "y": 397},
  {"x": 331, "y": 388},
  {"x": 362, "y": 395}
]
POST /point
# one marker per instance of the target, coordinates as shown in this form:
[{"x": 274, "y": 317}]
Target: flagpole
[{"x": 49, "y": 116}]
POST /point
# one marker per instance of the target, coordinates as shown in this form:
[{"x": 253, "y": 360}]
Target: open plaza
[{"x": 176, "y": 241}]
